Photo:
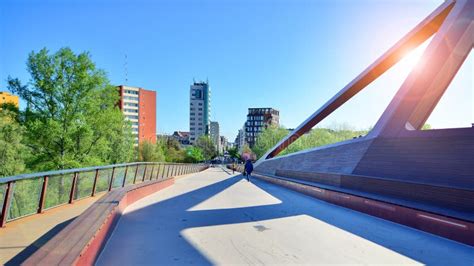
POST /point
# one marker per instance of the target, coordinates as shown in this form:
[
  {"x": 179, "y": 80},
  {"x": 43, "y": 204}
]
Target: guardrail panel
[
  {"x": 130, "y": 174},
  {"x": 25, "y": 198},
  {"x": 119, "y": 174},
  {"x": 140, "y": 173},
  {"x": 3, "y": 189},
  {"x": 103, "y": 181},
  {"x": 58, "y": 191},
  {"x": 85, "y": 182}
]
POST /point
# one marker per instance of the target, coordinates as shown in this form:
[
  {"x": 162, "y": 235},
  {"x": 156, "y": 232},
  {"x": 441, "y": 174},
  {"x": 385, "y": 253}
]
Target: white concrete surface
[{"x": 216, "y": 218}]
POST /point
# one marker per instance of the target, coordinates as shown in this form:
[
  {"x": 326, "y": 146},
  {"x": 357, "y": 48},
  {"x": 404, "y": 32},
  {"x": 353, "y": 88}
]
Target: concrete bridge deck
[{"x": 213, "y": 217}]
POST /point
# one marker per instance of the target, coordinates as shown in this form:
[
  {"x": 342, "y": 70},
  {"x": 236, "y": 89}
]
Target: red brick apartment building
[{"x": 139, "y": 107}]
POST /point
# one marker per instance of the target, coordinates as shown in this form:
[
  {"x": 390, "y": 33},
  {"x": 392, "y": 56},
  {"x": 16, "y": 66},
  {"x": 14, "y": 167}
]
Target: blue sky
[{"x": 292, "y": 55}]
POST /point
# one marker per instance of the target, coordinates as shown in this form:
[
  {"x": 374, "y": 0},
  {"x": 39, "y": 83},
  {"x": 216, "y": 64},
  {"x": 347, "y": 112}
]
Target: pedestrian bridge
[{"x": 217, "y": 217}]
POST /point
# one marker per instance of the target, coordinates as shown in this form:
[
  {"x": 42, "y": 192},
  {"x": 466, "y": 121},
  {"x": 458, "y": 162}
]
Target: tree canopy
[
  {"x": 12, "y": 151},
  {"x": 72, "y": 118},
  {"x": 207, "y": 146},
  {"x": 315, "y": 138}
]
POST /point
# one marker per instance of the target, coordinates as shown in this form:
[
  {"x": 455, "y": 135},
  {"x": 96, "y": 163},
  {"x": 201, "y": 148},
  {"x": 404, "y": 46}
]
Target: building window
[
  {"x": 132, "y": 116},
  {"x": 131, "y": 92},
  {"x": 131, "y": 104},
  {"x": 130, "y": 110},
  {"x": 133, "y": 98}
]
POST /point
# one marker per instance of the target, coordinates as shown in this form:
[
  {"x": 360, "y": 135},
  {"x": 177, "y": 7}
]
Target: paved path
[{"x": 217, "y": 218}]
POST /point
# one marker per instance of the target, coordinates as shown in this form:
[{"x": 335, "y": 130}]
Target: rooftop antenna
[{"x": 125, "y": 65}]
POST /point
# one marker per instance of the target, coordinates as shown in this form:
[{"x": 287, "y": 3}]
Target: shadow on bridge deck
[{"x": 176, "y": 226}]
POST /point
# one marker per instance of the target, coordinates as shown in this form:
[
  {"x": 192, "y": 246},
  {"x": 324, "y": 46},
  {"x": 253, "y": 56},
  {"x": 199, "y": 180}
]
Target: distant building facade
[
  {"x": 6, "y": 97},
  {"x": 214, "y": 134},
  {"x": 199, "y": 110},
  {"x": 240, "y": 139},
  {"x": 139, "y": 107},
  {"x": 257, "y": 120},
  {"x": 182, "y": 137},
  {"x": 223, "y": 145}
]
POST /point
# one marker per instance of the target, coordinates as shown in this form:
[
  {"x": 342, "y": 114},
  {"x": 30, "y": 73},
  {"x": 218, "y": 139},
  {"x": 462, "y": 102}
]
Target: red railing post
[
  {"x": 167, "y": 171},
  {"x": 158, "y": 171},
  {"x": 112, "y": 179},
  {"x": 151, "y": 174},
  {"x": 125, "y": 176},
  {"x": 73, "y": 188},
  {"x": 136, "y": 173},
  {"x": 173, "y": 171},
  {"x": 95, "y": 182},
  {"x": 144, "y": 173},
  {"x": 43, "y": 194},
  {"x": 6, "y": 203}
]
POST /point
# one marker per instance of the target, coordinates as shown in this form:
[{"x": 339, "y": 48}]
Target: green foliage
[
  {"x": 72, "y": 118},
  {"x": 194, "y": 155},
  {"x": 12, "y": 151},
  {"x": 268, "y": 138},
  {"x": 173, "y": 151},
  {"x": 207, "y": 146},
  {"x": 315, "y": 138},
  {"x": 234, "y": 153},
  {"x": 426, "y": 127},
  {"x": 146, "y": 152}
]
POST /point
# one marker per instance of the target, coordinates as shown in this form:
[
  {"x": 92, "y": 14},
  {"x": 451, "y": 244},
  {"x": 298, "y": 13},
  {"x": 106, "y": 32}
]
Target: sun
[{"x": 411, "y": 59}]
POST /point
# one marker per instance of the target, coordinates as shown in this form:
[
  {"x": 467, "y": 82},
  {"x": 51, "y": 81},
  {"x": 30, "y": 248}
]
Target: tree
[
  {"x": 160, "y": 151},
  {"x": 247, "y": 153},
  {"x": 268, "y": 138},
  {"x": 72, "y": 118},
  {"x": 146, "y": 152},
  {"x": 207, "y": 146},
  {"x": 315, "y": 138},
  {"x": 12, "y": 151},
  {"x": 173, "y": 151},
  {"x": 234, "y": 153},
  {"x": 194, "y": 155}
]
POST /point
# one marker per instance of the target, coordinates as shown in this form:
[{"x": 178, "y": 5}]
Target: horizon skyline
[{"x": 245, "y": 46}]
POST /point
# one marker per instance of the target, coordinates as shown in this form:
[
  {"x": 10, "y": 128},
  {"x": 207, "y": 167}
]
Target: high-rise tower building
[
  {"x": 199, "y": 110},
  {"x": 139, "y": 107},
  {"x": 259, "y": 119}
]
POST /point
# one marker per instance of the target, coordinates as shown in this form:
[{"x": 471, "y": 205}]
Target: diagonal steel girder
[{"x": 423, "y": 31}]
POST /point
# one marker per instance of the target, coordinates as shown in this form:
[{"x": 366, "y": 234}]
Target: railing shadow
[{"x": 29, "y": 250}]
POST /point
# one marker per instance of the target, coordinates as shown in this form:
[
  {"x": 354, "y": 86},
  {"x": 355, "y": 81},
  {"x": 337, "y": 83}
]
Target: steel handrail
[
  {"x": 151, "y": 171},
  {"x": 7, "y": 179}
]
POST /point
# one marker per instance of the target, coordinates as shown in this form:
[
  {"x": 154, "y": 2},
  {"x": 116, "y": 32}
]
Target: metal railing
[{"x": 28, "y": 194}]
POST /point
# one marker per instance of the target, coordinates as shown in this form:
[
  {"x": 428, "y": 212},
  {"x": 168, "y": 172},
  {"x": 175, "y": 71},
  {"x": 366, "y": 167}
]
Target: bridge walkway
[
  {"x": 215, "y": 217},
  {"x": 23, "y": 237}
]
